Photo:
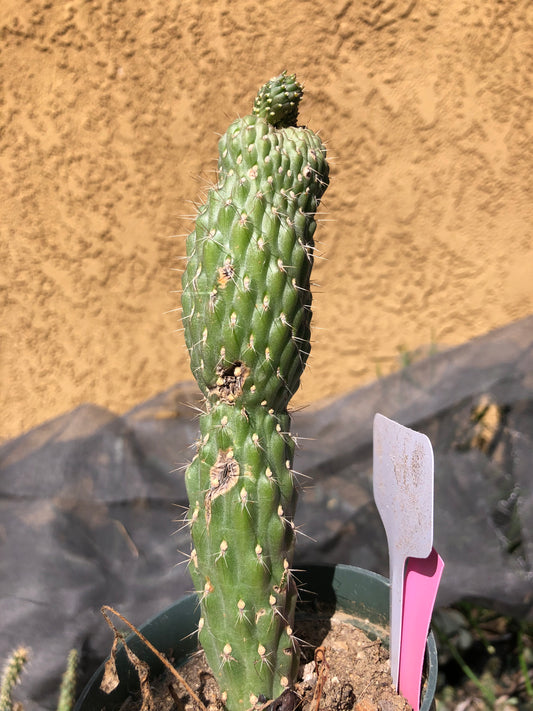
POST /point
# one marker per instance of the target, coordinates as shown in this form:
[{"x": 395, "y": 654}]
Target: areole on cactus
[{"x": 246, "y": 312}]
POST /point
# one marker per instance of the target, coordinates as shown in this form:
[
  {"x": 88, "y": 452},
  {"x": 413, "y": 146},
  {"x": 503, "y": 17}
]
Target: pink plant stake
[{"x": 421, "y": 584}]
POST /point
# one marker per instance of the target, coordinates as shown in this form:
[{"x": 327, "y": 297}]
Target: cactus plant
[
  {"x": 246, "y": 314},
  {"x": 67, "y": 690},
  {"x": 11, "y": 676},
  {"x": 13, "y": 670}
]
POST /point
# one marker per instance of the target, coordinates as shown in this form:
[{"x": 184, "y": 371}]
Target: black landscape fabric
[{"x": 90, "y": 503}]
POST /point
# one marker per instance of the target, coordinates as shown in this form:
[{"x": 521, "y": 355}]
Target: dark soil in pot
[{"x": 342, "y": 669}]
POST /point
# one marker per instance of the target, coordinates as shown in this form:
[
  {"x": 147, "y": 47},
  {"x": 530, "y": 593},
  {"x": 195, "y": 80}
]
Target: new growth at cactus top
[{"x": 246, "y": 312}]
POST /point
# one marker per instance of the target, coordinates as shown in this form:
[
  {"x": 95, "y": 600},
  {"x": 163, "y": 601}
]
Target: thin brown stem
[{"x": 151, "y": 647}]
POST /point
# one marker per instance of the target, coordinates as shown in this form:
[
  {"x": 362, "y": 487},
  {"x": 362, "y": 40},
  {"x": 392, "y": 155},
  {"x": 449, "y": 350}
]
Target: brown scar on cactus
[
  {"x": 224, "y": 474},
  {"x": 230, "y": 382}
]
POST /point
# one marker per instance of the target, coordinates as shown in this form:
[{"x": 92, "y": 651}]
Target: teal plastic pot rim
[{"x": 360, "y": 594}]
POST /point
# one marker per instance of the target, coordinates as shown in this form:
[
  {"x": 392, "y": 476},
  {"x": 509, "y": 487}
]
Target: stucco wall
[{"x": 109, "y": 124}]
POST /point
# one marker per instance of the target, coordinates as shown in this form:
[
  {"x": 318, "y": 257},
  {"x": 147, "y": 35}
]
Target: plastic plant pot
[{"x": 360, "y": 594}]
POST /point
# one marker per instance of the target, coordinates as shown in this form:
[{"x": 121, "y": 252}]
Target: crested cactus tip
[
  {"x": 278, "y": 100},
  {"x": 246, "y": 310}
]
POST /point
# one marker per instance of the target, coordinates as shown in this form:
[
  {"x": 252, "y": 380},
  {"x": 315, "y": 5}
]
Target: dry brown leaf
[
  {"x": 110, "y": 679},
  {"x": 143, "y": 672}
]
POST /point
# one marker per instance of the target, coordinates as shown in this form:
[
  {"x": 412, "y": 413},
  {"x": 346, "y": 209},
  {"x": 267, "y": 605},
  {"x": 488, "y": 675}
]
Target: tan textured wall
[{"x": 109, "y": 115}]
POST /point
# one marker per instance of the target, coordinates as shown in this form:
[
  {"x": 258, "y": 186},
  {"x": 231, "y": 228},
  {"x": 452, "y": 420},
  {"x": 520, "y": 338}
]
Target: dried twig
[
  {"x": 322, "y": 668},
  {"x": 109, "y": 678}
]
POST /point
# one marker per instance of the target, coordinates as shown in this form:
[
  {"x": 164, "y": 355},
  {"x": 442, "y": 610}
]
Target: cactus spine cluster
[{"x": 246, "y": 313}]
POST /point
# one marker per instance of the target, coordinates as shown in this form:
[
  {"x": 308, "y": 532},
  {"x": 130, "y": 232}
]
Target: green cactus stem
[
  {"x": 13, "y": 670},
  {"x": 246, "y": 314},
  {"x": 67, "y": 690},
  {"x": 11, "y": 676}
]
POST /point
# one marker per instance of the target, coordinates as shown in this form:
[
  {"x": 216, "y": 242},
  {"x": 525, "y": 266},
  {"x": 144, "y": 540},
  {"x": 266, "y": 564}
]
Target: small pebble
[
  {"x": 365, "y": 705},
  {"x": 386, "y": 705},
  {"x": 309, "y": 674}
]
